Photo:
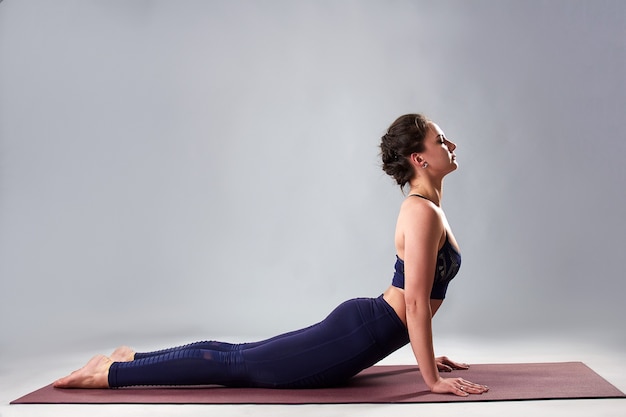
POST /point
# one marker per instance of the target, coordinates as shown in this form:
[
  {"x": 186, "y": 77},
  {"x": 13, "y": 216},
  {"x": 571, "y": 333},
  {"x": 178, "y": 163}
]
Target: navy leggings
[{"x": 356, "y": 335}]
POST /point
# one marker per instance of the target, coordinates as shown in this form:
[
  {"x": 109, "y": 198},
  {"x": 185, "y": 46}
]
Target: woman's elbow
[{"x": 416, "y": 305}]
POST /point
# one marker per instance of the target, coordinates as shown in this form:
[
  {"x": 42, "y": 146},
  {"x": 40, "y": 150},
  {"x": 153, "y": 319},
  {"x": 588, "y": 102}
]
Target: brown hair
[{"x": 404, "y": 137}]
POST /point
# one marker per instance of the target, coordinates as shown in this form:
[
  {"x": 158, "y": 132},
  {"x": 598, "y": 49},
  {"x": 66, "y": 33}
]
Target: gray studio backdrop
[{"x": 187, "y": 169}]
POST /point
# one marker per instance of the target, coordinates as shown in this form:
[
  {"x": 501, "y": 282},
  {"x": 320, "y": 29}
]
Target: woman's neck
[{"x": 429, "y": 191}]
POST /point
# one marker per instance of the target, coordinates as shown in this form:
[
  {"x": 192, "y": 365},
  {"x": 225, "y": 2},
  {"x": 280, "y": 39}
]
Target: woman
[{"x": 358, "y": 333}]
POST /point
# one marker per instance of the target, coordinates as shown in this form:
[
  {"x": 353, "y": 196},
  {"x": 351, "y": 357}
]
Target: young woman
[{"x": 359, "y": 332}]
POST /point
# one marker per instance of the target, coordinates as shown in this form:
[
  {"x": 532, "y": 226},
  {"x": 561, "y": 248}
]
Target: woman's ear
[{"x": 416, "y": 159}]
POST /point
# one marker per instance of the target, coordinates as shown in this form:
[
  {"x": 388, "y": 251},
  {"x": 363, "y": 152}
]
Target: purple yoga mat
[{"x": 379, "y": 384}]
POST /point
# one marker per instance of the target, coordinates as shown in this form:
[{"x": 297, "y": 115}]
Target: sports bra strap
[
  {"x": 421, "y": 196},
  {"x": 418, "y": 195}
]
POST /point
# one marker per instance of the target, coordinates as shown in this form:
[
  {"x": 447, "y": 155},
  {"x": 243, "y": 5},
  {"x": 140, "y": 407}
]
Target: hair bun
[{"x": 404, "y": 137}]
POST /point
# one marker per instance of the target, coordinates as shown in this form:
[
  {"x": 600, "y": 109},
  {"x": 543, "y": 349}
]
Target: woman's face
[{"x": 439, "y": 151}]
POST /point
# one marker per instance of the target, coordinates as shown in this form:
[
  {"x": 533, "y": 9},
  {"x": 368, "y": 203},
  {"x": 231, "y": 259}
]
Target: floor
[{"x": 25, "y": 374}]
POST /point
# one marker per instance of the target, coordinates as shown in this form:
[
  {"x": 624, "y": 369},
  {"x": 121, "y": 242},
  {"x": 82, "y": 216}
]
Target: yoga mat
[{"x": 378, "y": 384}]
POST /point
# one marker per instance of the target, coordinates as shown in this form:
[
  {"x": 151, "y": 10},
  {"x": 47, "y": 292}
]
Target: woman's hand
[
  {"x": 458, "y": 386},
  {"x": 447, "y": 365}
]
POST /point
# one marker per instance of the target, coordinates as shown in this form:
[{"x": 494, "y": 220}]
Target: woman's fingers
[
  {"x": 445, "y": 364},
  {"x": 443, "y": 368},
  {"x": 459, "y": 386},
  {"x": 470, "y": 387}
]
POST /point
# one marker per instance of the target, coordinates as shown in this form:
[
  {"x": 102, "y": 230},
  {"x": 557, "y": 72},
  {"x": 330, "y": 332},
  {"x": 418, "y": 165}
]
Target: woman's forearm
[{"x": 419, "y": 324}]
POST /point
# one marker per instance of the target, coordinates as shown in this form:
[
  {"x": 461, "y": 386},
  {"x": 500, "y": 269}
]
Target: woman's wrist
[
  {"x": 432, "y": 387},
  {"x": 431, "y": 382}
]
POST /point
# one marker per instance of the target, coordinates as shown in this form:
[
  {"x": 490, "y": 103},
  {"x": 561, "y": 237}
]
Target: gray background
[{"x": 188, "y": 169}]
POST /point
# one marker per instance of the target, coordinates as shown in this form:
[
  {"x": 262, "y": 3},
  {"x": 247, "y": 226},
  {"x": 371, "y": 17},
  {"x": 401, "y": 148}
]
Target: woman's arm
[{"x": 422, "y": 228}]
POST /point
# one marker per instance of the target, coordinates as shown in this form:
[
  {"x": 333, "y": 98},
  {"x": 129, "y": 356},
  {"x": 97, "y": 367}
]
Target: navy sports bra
[{"x": 448, "y": 265}]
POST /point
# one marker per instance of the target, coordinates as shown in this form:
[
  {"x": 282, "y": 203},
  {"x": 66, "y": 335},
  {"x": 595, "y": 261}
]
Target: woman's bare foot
[
  {"x": 93, "y": 375},
  {"x": 123, "y": 354}
]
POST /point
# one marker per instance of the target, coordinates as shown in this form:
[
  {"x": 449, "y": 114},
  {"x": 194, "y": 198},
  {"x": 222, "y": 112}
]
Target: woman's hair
[{"x": 404, "y": 137}]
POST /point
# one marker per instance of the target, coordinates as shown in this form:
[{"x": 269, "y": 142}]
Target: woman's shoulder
[
  {"x": 414, "y": 205},
  {"x": 420, "y": 212}
]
